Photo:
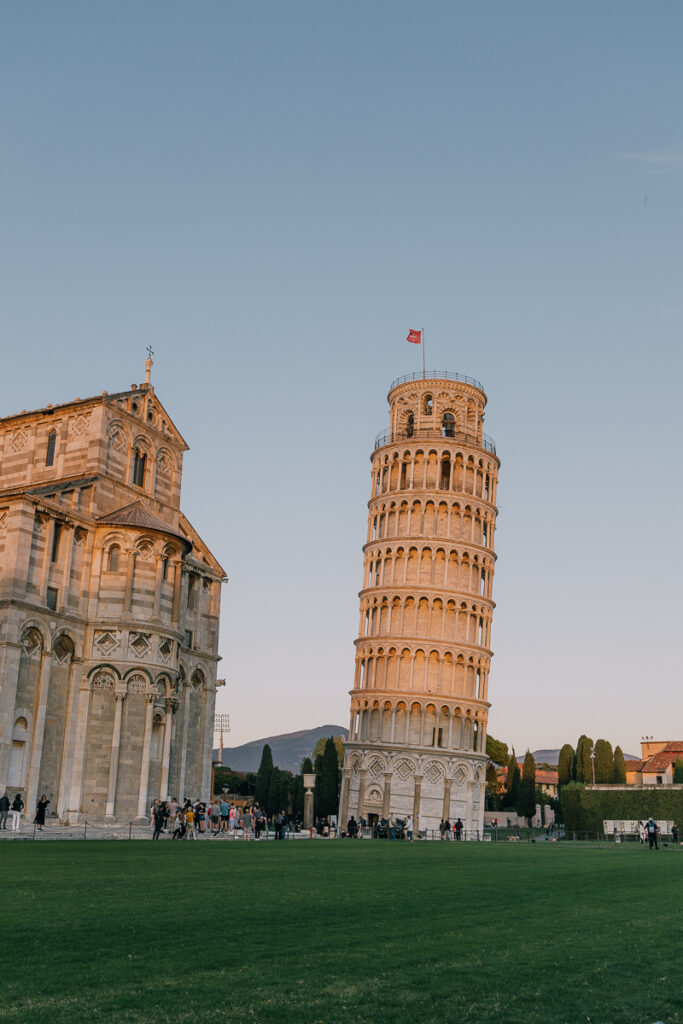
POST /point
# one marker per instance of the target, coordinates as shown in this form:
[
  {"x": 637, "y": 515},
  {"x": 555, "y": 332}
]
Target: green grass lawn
[{"x": 339, "y": 931}]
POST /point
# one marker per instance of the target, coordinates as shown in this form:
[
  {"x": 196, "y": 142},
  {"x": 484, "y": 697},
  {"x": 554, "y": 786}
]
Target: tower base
[{"x": 430, "y": 785}]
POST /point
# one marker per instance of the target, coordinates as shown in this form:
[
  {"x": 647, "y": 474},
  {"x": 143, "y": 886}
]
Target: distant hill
[{"x": 289, "y": 749}]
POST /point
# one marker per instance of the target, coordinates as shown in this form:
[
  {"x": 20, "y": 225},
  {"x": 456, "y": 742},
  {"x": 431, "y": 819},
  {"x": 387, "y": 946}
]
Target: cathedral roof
[{"x": 135, "y": 514}]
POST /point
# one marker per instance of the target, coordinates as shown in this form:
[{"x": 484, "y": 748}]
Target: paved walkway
[{"x": 88, "y": 830}]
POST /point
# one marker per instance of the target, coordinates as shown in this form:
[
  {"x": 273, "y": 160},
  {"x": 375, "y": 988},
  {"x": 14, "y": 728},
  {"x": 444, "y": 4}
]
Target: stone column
[
  {"x": 183, "y": 743},
  {"x": 150, "y": 697},
  {"x": 177, "y": 585},
  {"x": 361, "y": 791},
  {"x": 75, "y": 787},
  {"x": 38, "y": 733},
  {"x": 417, "y": 799},
  {"x": 446, "y": 810},
  {"x": 10, "y": 656},
  {"x": 157, "y": 586},
  {"x": 171, "y": 704},
  {"x": 70, "y": 722},
  {"x": 386, "y": 801},
  {"x": 206, "y": 732},
  {"x": 45, "y": 572},
  {"x": 130, "y": 579},
  {"x": 119, "y": 695},
  {"x": 344, "y": 798},
  {"x": 69, "y": 534}
]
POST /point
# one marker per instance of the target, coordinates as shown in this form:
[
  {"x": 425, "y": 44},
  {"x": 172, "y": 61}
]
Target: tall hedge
[{"x": 584, "y": 810}]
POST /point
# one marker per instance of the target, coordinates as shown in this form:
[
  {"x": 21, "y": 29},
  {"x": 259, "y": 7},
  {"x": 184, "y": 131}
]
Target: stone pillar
[
  {"x": 119, "y": 695},
  {"x": 171, "y": 703},
  {"x": 10, "y": 657},
  {"x": 417, "y": 799},
  {"x": 38, "y": 733},
  {"x": 130, "y": 579},
  {"x": 206, "y": 733},
  {"x": 144, "y": 767},
  {"x": 361, "y": 791},
  {"x": 446, "y": 810},
  {"x": 386, "y": 801},
  {"x": 75, "y": 784},
  {"x": 309, "y": 784},
  {"x": 344, "y": 798},
  {"x": 177, "y": 584},
  {"x": 183, "y": 743},
  {"x": 69, "y": 535},
  {"x": 70, "y": 722}
]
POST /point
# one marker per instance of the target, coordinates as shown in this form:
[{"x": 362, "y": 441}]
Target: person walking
[
  {"x": 651, "y": 831},
  {"x": 41, "y": 808},
  {"x": 17, "y": 808},
  {"x": 409, "y": 828},
  {"x": 4, "y": 810}
]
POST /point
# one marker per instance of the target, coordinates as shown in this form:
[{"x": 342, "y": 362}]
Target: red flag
[{"x": 414, "y": 337}]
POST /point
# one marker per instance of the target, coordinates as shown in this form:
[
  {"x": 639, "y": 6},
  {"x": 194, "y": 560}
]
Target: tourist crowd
[{"x": 189, "y": 819}]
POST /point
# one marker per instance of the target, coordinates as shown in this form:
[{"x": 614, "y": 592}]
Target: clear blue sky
[{"x": 271, "y": 194}]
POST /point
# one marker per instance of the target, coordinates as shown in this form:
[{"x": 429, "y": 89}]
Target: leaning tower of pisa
[{"x": 419, "y": 703}]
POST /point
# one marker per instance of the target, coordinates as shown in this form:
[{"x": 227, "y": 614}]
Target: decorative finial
[{"x": 148, "y": 363}]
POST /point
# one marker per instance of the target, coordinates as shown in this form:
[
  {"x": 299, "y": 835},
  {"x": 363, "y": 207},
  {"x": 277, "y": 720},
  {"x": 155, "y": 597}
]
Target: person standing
[
  {"x": 17, "y": 808},
  {"x": 458, "y": 829},
  {"x": 41, "y": 808},
  {"x": 158, "y": 819},
  {"x": 674, "y": 833},
  {"x": 409, "y": 828},
  {"x": 4, "y": 810},
  {"x": 651, "y": 831}
]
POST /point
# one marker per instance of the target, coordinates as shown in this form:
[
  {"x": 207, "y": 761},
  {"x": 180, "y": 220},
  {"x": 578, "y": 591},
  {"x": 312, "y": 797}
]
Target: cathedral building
[
  {"x": 419, "y": 703},
  {"x": 109, "y": 610}
]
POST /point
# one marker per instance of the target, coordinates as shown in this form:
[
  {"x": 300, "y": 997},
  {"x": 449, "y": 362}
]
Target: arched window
[
  {"x": 51, "y": 444},
  {"x": 113, "y": 558},
  {"x": 448, "y": 425},
  {"x": 429, "y": 405},
  {"x": 139, "y": 461},
  {"x": 410, "y": 424}
]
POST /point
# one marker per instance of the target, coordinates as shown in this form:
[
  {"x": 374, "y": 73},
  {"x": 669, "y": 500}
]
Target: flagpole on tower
[{"x": 424, "y": 372}]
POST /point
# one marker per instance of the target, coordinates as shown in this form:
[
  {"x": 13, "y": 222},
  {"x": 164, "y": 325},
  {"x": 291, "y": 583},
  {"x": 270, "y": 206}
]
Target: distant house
[
  {"x": 546, "y": 778},
  {"x": 656, "y": 766}
]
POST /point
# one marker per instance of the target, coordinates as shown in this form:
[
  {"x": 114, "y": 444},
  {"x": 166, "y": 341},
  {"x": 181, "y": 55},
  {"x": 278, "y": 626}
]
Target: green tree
[
  {"x": 527, "y": 791},
  {"x": 492, "y": 798},
  {"x": 565, "y": 764},
  {"x": 604, "y": 761},
  {"x": 584, "y": 764},
  {"x": 678, "y": 770},
  {"x": 496, "y": 750},
  {"x": 619, "y": 766},
  {"x": 512, "y": 764},
  {"x": 319, "y": 748},
  {"x": 512, "y": 783},
  {"x": 327, "y": 780},
  {"x": 262, "y": 788}
]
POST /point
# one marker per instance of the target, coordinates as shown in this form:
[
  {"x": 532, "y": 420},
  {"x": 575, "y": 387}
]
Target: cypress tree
[
  {"x": 327, "y": 781},
  {"x": 678, "y": 770},
  {"x": 604, "y": 761},
  {"x": 584, "y": 764},
  {"x": 512, "y": 764},
  {"x": 564, "y": 764},
  {"x": 619, "y": 766},
  {"x": 514, "y": 797},
  {"x": 527, "y": 792},
  {"x": 262, "y": 788}
]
